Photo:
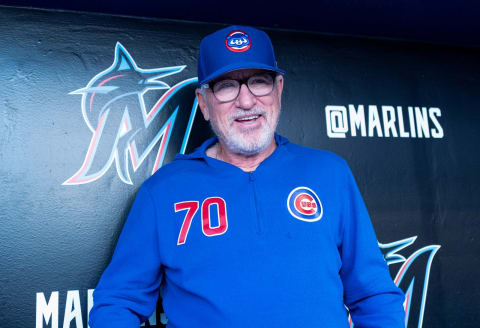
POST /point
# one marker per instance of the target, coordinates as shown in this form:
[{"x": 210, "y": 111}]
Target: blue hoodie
[{"x": 288, "y": 245}]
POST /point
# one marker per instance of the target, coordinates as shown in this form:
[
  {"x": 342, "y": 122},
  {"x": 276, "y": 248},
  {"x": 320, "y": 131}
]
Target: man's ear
[
  {"x": 279, "y": 86},
  {"x": 202, "y": 103}
]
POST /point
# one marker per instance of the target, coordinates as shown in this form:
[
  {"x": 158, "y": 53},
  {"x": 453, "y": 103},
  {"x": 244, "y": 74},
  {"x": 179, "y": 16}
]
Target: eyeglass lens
[{"x": 259, "y": 85}]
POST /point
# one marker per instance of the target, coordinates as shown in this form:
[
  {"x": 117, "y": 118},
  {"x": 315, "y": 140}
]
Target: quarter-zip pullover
[{"x": 289, "y": 245}]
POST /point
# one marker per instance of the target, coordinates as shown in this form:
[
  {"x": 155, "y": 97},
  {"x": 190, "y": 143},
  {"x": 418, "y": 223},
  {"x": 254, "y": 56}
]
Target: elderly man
[{"x": 249, "y": 230}]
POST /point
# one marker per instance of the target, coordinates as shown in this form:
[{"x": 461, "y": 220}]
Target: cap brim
[{"x": 237, "y": 66}]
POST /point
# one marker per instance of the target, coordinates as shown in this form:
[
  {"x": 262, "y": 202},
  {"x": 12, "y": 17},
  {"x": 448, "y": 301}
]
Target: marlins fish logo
[
  {"x": 412, "y": 277},
  {"x": 124, "y": 130}
]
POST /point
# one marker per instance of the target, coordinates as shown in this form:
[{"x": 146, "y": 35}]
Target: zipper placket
[{"x": 251, "y": 180}]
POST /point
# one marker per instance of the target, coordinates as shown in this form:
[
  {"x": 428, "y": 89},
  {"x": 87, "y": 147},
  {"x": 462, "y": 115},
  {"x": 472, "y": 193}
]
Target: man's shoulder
[
  {"x": 319, "y": 163},
  {"x": 315, "y": 155},
  {"x": 178, "y": 171}
]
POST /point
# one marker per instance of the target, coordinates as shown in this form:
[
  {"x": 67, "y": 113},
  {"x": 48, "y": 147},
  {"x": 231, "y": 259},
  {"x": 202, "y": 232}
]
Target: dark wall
[{"x": 403, "y": 115}]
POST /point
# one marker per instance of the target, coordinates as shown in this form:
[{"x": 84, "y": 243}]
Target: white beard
[{"x": 248, "y": 142}]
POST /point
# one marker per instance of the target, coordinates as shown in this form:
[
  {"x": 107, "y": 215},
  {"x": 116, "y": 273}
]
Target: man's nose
[{"x": 245, "y": 99}]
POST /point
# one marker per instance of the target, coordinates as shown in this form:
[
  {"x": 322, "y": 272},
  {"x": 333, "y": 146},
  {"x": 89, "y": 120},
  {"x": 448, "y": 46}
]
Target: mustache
[{"x": 242, "y": 113}]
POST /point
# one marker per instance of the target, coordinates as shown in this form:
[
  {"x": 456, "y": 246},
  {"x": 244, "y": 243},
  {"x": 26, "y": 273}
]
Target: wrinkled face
[{"x": 245, "y": 125}]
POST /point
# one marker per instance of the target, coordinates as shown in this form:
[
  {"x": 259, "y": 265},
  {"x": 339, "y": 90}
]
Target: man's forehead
[{"x": 242, "y": 73}]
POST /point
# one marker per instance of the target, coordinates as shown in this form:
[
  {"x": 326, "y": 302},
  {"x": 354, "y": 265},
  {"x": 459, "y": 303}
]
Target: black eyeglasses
[{"x": 229, "y": 89}]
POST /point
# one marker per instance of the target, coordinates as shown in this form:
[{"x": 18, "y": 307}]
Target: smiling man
[
  {"x": 249, "y": 230},
  {"x": 242, "y": 107}
]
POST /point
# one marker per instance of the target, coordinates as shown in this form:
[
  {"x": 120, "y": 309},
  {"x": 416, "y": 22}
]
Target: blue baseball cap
[{"x": 232, "y": 48}]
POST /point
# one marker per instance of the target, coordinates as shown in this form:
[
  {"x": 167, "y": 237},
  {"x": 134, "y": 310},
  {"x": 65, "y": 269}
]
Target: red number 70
[{"x": 192, "y": 208}]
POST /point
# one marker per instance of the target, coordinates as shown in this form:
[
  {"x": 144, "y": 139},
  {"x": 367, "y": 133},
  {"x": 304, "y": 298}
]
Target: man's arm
[
  {"x": 369, "y": 292},
  {"x": 127, "y": 292}
]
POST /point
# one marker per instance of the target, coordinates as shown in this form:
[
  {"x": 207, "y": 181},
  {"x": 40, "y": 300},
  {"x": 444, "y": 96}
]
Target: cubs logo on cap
[
  {"x": 233, "y": 48},
  {"x": 304, "y": 204},
  {"x": 238, "y": 41}
]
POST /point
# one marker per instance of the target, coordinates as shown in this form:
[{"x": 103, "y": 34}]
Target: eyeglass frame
[{"x": 240, "y": 83}]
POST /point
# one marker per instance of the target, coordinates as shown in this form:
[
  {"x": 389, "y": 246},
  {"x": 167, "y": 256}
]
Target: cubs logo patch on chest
[{"x": 304, "y": 204}]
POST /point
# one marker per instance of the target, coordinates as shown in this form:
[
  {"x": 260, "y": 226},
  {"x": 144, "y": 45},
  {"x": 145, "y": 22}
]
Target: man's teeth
[{"x": 248, "y": 118}]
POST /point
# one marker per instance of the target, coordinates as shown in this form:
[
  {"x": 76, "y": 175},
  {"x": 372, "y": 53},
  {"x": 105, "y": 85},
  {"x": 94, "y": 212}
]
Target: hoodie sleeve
[
  {"x": 127, "y": 292},
  {"x": 369, "y": 292}
]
